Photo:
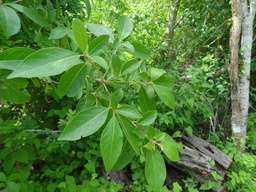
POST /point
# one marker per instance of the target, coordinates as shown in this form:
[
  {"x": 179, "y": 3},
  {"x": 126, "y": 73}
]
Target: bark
[
  {"x": 242, "y": 28},
  {"x": 234, "y": 62},
  {"x": 248, "y": 13},
  {"x": 172, "y": 21}
]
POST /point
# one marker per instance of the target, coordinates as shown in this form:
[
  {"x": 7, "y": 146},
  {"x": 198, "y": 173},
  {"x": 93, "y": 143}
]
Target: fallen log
[{"x": 197, "y": 157}]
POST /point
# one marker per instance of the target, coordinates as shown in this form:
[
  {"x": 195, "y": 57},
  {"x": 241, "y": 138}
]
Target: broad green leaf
[
  {"x": 116, "y": 64},
  {"x": 146, "y": 103},
  {"x": 155, "y": 73},
  {"x": 12, "y": 186},
  {"x": 119, "y": 94},
  {"x": 125, "y": 27},
  {"x": 11, "y": 58},
  {"x": 73, "y": 81},
  {"x": 2, "y": 177},
  {"x": 155, "y": 170},
  {"x": 129, "y": 111},
  {"x": 58, "y": 33},
  {"x": 111, "y": 143},
  {"x": 114, "y": 102},
  {"x": 150, "y": 146},
  {"x": 99, "y": 60},
  {"x": 126, "y": 156},
  {"x": 88, "y": 8},
  {"x": 85, "y": 123},
  {"x": 10, "y": 21},
  {"x": 80, "y": 34},
  {"x": 171, "y": 151},
  {"x": 148, "y": 118},
  {"x": 13, "y": 90},
  {"x": 98, "y": 44},
  {"x": 31, "y": 14},
  {"x": 128, "y": 127},
  {"x": 46, "y": 62},
  {"x": 20, "y": 155},
  {"x": 140, "y": 51},
  {"x": 130, "y": 66},
  {"x": 8, "y": 164},
  {"x": 99, "y": 30},
  {"x": 162, "y": 87}
]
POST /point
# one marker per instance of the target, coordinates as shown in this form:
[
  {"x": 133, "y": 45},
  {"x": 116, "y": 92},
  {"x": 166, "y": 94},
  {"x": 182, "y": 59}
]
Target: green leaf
[
  {"x": 58, "y": 33},
  {"x": 146, "y": 103},
  {"x": 46, "y": 62},
  {"x": 80, "y": 34},
  {"x": 148, "y": 118},
  {"x": 171, "y": 151},
  {"x": 163, "y": 88},
  {"x": 111, "y": 143},
  {"x": 155, "y": 73},
  {"x": 140, "y": 51},
  {"x": 99, "y": 60},
  {"x": 34, "y": 16},
  {"x": 99, "y": 30},
  {"x": 85, "y": 123},
  {"x": 13, "y": 90},
  {"x": 73, "y": 81},
  {"x": 130, "y": 66},
  {"x": 98, "y": 44},
  {"x": 119, "y": 93},
  {"x": 129, "y": 111},
  {"x": 8, "y": 164},
  {"x": 2, "y": 177},
  {"x": 11, "y": 58},
  {"x": 116, "y": 64},
  {"x": 20, "y": 155},
  {"x": 125, "y": 157},
  {"x": 12, "y": 186},
  {"x": 128, "y": 127},
  {"x": 114, "y": 102},
  {"x": 10, "y": 21},
  {"x": 88, "y": 8},
  {"x": 155, "y": 170},
  {"x": 125, "y": 27},
  {"x": 150, "y": 146}
]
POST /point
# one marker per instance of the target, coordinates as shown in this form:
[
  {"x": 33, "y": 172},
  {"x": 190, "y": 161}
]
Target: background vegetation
[{"x": 116, "y": 76}]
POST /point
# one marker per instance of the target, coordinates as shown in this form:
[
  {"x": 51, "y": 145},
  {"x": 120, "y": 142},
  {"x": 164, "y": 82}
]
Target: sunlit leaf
[
  {"x": 10, "y": 21},
  {"x": 58, "y": 33},
  {"x": 155, "y": 170},
  {"x": 148, "y": 118},
  {"x": 11, "y": 58},
  {"x": 130, "y": 66},
  {"x": 111, "y": 143},
  {"x": 98, "y": 44},
  {"x": 80, "y": 34},
  {"x": 125, "y": 27},
  {"x": 73, "y": 81},
  {"x": 128, "y": 127},
  {"x": 31, "y": 14},
  {"x": 163, "y": 88},
  {"x": 99, "y": 30},
  {"x": 129, "y": 111},
  {"x": 85, "y": 123},
  {"x": 46, "y": 62}
]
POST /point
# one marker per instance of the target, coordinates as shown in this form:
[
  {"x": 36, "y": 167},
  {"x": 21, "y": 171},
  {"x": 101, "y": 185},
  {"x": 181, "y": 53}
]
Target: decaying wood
[{"x": 196, "y": 157}]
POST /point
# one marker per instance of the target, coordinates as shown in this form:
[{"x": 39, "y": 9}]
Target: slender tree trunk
[
  {"x": 242, "y": 28},
  {"x": 172, "y": 21}
]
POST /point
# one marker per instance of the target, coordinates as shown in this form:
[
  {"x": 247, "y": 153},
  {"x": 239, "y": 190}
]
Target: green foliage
[{"x": 96, "y": 80}]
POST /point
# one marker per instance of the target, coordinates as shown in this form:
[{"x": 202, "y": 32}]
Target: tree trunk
[
  {"x": 242, "y": 27},
  {"x": 172, "y": 21}
]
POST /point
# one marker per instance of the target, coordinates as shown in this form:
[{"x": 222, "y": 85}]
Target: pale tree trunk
[
  {"x": 242, "y": 28},
  {"x": 172, "y": 21}
]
